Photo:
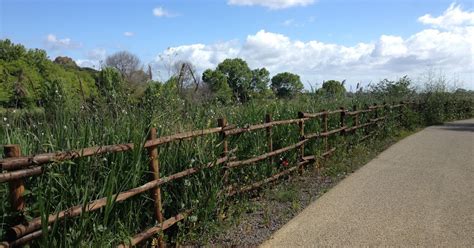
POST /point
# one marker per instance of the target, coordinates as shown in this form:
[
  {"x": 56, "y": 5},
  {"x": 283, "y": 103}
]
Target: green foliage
[
  {"x": 233, "y": 77},
  {"x": 110, "y": 83},
  {"x": 286, "y": 85},
  {"x": 390, "y": 91},
  {"x": 110, "y": 117},
  {"x": 239, "y": 76},
  {"x": 333, "y": 88},
  {"x": 25, "y": 73},
  {"x": 53, "y": 96},
  {"x": 259, "y": 84},
  {"x": 217, "y": 82}
]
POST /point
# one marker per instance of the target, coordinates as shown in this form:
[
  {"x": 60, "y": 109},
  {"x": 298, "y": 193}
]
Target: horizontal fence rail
[{"x": 16, "y": 168}]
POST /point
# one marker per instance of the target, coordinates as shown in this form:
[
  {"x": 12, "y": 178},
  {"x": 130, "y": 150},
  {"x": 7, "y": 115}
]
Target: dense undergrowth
[{"x": 79, "y": 181}]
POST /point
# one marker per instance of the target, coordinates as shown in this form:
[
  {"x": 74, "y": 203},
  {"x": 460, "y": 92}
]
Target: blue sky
[{"x": 265, "y": 33}]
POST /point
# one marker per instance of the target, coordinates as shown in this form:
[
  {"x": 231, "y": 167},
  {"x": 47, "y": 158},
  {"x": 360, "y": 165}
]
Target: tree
[
  {"x": 260, "y": 80},
  {"x": 217, "y": 82},
  {"x": 185, "y": 72},
  {"x": 333, "y": 88},
  {"x": 239, "y": 77},
  {"x": 125, "y": 62},
  {"x": 286, "y": 85},
  {"x": 65, "y": 61}
]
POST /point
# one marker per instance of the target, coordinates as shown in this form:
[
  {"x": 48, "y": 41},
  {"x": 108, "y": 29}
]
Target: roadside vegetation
[{"x": 48, "y": 106}]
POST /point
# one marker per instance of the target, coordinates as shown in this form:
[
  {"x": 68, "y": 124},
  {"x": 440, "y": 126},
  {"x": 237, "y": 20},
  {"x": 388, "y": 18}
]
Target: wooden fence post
[
  {"x": 301, "y": 151},
  {"x": 156, "y": 193},
  {"x": 16, "y": 187},
  {"x": 325, "y": 129},
  {"x": 301, "y": 126},
  {"x": 342, "y": 120},
  {"x": 222, "y": 123},
  {"x": 356, "y": 117},
  {"x": 367, "y": 128},
  {"x": 268, "y": 119}
]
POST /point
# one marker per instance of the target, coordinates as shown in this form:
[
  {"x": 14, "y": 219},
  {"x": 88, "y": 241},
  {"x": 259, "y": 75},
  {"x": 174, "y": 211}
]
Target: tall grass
[{"x": 79, "y": 181}]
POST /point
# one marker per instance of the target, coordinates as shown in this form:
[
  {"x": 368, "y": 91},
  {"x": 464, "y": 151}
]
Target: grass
[{"x": 79, "y": 181}]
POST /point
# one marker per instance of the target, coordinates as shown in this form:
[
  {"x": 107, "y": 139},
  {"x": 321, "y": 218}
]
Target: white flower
[
  {"x": 5, "y": 119},
  {"x": 193, "y": 218},
  {"x": 8, "y": 125},
  {"x": 65, "y": 127},
  {"x": 187, "y": 183}
]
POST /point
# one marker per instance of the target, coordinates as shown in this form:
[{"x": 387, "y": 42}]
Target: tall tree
[
  {"x": 333, "y": 88},
  {"x": 125, "y": 62},
  {"x": 260, "y": 80},
  {"x": 286, "y": 85},
  {"x": 239, "y": 77},
  {"x": 217, "y": 82}
]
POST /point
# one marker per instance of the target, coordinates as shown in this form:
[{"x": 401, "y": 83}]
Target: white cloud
[
  {"x": 97, "y": 54},
  {"x": 54, "y": 43},
  {"x": 161, "y": 12},
  {"x": 128, "y": 34},
  {"x": 272, "y": 4},
  {"x": 453, "y": 17},
  {"x": 88, "y": 63},
  {"x": 288, "y": 22},
  {"x": 94, "y": 58},
  {"x": 450, "y": 50}
]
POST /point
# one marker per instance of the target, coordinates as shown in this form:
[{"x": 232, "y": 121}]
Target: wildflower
[
  {"x": 8, "y": 125},
  {"x": 65, "y": 127},
  {"x": 284, "y": 162},
  {"x": 193, "y": 218},
  {"x": 5, "y": 119},
  {"x": 187, "y": 183}
]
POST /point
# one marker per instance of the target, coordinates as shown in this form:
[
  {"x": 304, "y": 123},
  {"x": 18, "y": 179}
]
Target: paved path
[{"x": 419, "y": 192}]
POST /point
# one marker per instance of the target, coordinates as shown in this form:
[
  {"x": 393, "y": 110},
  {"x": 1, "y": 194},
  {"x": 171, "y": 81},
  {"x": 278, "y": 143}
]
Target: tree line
[{"x": 28, "y": 78}]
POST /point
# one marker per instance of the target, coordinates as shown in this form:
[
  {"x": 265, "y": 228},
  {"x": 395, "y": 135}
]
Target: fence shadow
[{"x": 463, "y": 127}]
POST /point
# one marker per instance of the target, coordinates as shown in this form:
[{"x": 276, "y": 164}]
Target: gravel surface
[
  {"x": 272, "y": 208},
  {"x": 419, "y": 192}
]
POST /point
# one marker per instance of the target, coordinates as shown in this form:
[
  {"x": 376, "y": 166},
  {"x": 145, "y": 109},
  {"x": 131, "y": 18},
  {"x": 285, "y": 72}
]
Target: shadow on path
[{"x": 463, "y": 127}]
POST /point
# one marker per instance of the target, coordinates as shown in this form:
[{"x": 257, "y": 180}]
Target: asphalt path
[{"x": 419, "y": 192}]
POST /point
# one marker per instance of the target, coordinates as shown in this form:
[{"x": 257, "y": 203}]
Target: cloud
[
  {"x": 94, "y": 58},
  {"x": 97, "y": 54},
  {"x": 450, "y": 50},
  {"x": 161, "y": 12},
  {"x": 288, "y": 22},
  {"x": 53, "y": 43},
  {"x": 272, "y": 4},
  {"x": 292, "y": 23},
  {"x": 88, "y": 63},
  {"x": 128, "y": 34},
  {"x": 453, "y": 17}
]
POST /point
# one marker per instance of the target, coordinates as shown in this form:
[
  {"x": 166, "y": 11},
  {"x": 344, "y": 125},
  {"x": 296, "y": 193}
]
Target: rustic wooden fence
[{"x": 16, "y": 168}]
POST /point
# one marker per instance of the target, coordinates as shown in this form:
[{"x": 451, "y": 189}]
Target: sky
[{"x": 360, "y": 41}]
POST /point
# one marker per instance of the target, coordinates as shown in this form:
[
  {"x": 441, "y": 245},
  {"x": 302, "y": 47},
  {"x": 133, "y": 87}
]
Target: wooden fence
[{"x": 16, "y": 168}]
